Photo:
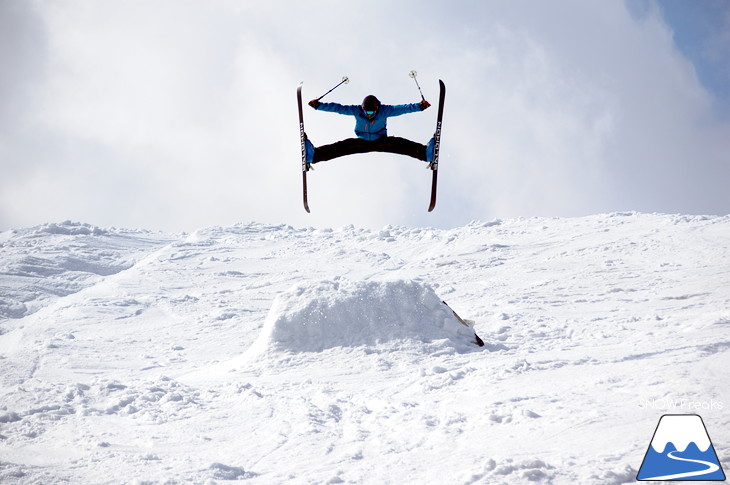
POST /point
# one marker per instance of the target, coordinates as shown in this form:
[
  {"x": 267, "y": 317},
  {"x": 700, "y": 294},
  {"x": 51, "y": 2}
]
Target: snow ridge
[{"x": 40, "y": 264}]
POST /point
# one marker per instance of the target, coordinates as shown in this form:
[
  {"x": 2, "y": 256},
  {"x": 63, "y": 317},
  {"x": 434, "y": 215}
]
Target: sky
[{"x": 177, "y": 114}]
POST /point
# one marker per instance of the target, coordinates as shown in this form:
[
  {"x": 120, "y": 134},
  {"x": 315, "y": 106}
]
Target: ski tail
[{"x": 434, "y": 183}]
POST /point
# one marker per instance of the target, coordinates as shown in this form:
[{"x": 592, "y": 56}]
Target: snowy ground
[{"x": 270, "y": 354}]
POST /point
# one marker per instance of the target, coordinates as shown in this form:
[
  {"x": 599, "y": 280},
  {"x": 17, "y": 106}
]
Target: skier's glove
[
  {"x": 424, "y": 104},
  {"x": 314, "y": 103}
]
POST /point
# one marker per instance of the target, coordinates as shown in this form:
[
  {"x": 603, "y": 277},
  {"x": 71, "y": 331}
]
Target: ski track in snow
[{"x": 127, "y": 356}]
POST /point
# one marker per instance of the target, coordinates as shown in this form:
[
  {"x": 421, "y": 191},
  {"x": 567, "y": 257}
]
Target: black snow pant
[{"x": 350, "y": 146}]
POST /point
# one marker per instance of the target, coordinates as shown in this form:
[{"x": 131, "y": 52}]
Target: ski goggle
[{"x": 369, "y": 113}]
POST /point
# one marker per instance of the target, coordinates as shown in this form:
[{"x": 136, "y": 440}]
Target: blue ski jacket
[{"x": 366, "y": 128}]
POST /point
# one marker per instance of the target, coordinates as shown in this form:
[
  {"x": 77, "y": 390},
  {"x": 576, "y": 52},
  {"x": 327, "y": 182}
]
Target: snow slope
[{"x": 270, "y": 354}]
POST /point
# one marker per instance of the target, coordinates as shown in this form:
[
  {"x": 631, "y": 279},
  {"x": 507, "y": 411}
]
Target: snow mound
[
  {"x": 342, "y": 313},
  {"x": 70, "y": 228}
]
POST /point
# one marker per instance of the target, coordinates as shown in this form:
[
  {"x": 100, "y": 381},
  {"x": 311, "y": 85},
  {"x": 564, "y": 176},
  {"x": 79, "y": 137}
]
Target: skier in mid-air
[{"x": 371, "y": 130}]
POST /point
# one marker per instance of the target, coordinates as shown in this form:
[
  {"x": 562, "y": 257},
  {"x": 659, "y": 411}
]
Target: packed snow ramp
[{"x": 316, "y": 316}]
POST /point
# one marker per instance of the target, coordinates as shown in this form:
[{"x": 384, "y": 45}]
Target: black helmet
[{"x": 370, "y": 105}]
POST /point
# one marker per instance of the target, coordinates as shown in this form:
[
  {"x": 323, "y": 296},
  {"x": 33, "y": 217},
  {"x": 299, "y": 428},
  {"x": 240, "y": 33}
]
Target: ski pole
[
  {"x": 345, "y": 80},
  {"x": 413, "y": 74}
]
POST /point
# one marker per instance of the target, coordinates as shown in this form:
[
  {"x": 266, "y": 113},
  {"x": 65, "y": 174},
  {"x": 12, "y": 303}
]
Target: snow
[
  {"x": 311, "y": 317},
  {"x": 272, "y": 354}
]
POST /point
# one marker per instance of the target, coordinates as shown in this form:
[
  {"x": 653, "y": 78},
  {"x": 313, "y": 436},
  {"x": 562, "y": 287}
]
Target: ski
[
  {"x": 434, "y": 181},
  {"x": 434, "y": 165},
  {"x": 302, "y": 139},
  {"x": 466, "y": 323}
]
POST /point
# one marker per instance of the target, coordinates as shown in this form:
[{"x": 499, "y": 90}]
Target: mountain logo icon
[{"x": 681, "y": 450}]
